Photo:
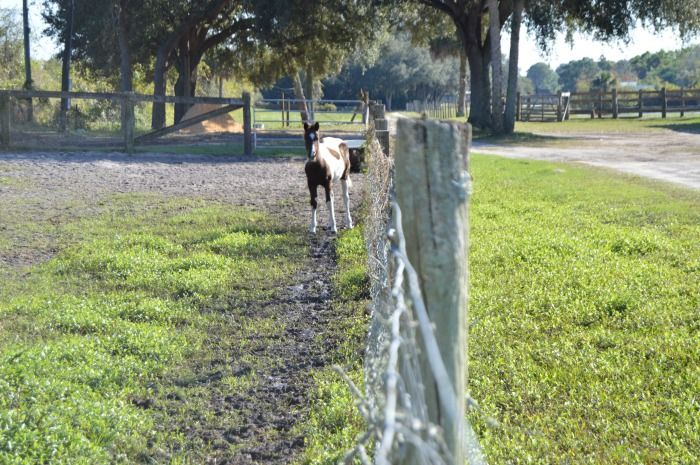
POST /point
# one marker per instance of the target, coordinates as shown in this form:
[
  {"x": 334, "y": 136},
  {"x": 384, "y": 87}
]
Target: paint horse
[{"x": 326, "y": 162}]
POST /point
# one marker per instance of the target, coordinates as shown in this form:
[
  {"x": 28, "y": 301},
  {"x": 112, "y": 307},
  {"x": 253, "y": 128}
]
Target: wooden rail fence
[
  {"x": 127, "y": 101},
  {"x": 558, "y": 107}
]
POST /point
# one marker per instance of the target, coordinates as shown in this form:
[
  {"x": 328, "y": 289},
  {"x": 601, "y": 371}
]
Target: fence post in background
[
  {"x": 381, "y": 126},
  {"x": 518, "y": 106},
  {"x": 431, "y": 183},
  {"x": 682, "y": 104},
  {"x": 664, "y": 102},
  {"x": 560, "y": 116},
  {"x": 641, "y": 103},
  {"x": 128, "y": 121},
  {"x": 615, "y": 107},
  {"x": 5, "y": 120},
  {"x": 247, "y": 126}
]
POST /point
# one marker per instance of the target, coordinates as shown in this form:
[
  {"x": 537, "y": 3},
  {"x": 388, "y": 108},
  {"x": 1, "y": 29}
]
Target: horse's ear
[
  {"x": 306, "y": 126},
  {"x": 316, "y": 126}
]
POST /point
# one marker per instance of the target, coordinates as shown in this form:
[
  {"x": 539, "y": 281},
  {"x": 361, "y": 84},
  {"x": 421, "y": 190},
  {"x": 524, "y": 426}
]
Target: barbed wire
[{"x": 394, "y": 404}]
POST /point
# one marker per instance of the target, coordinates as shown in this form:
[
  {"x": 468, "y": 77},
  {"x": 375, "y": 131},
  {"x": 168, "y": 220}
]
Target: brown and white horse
[{"x": 326, "y": 162}]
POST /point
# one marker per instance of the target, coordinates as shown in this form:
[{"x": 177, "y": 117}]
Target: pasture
[{"x": 159, "y": 308}]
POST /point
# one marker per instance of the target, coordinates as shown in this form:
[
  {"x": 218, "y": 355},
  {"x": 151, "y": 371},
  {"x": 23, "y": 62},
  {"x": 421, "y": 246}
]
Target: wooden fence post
[
  {"x": 682, "y": 104},
  {"x": 518, "y": 106},
  {"x": 560, "y": 114},
  {"x": 381, "y": 126},
  {"x": 641, "y": 103},
  {"x": 615, "y": 107},
  {"x": 5, "y": 120},
  {"x": 664, "y": 102},
  {"x": 432, "y": 191},
  {"x": 128, "y": 121},
  {"x": 247, "y": 126}
]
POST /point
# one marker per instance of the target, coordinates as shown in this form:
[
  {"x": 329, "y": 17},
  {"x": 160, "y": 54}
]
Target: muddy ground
[{"x": 60, "y": 188}]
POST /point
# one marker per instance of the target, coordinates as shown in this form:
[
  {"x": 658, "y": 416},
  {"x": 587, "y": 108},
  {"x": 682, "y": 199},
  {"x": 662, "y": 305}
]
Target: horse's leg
[
  {"x": 329, "y": 203},
  {"x": 314, "y": 205},
  {"x": 346, "y": 200}
]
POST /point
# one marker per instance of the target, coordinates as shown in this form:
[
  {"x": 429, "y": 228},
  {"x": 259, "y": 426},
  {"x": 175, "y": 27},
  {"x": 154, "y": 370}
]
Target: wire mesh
[{"x": 393, "y": 403}]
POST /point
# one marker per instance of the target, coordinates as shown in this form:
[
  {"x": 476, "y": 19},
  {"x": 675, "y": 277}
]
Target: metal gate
[{"x": 277, "y": 123}]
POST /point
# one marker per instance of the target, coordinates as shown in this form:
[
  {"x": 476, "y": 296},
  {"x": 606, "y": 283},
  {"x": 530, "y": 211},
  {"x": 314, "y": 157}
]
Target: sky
[{"x": 640, "y": 41}]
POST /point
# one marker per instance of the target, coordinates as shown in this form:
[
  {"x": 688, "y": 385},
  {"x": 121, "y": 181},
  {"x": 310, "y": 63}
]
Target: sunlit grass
[
  {"x": 94, "y": 331},
  {"x": 585, "y": 290}
]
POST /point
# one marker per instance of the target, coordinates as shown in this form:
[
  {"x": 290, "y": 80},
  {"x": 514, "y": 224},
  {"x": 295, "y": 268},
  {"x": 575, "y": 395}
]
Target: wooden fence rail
[
  {"x": 127, "y": 101},
  {"x": 614, "y": 103}
]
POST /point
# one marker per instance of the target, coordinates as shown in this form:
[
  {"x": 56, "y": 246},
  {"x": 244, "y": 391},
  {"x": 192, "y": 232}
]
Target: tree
[
  {"x": 497, "y": 84},
  {"x": 574, "y": 72},
  {"x": 65, "y": 69},
  {"x": 513, "y": 75},
  {"x": 28, "y": 83},
  {"x": 10, "y": 49},
  {"x": 543, "y": 78}
]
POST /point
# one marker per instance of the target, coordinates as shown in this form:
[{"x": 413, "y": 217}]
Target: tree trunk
[
  {"x": 65, "y": 73},
  {"x": 183, "y": 85},
  {"x": 160, "y": 68},
  {"x": 124, "y": 52},
  {"x": 496, "y": 70},
  {"x": 479, "y": 113},
  {"x": 511, "y": 97},
  {"x": 299, "y": 96},
  {"x": 462, "y": 95},
  {"x": 28, "y": 83},
  {"x": 310, "y": 92}
]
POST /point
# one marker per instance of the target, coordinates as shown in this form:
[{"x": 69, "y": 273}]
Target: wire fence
[{"x": 394, "y": 403}]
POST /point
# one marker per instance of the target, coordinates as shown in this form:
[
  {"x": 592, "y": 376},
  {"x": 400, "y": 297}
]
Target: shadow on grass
[{"x": 691, "y": 127}]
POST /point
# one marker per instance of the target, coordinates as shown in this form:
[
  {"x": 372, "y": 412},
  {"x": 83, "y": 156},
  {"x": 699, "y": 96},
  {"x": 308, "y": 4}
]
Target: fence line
[
  {"x": 397, "y": 405},
  {"x": 127, "y": 101},
  {"x": 557, "y": 107}
]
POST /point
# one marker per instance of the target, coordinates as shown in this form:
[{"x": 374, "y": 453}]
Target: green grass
[
  {"x": 585, "y": 305},
  {"x": 334, "y": 424},
  {"x": 90, "y": 336},
  {"x": 574, "y": 126}
]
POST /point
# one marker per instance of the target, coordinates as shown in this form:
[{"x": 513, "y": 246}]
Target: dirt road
[{"x": 663, "y": 155}]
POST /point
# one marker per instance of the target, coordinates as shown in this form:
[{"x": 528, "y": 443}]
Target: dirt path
[
  {"x": 663, "y": 155},
  {"x": 51, "y": 189}
]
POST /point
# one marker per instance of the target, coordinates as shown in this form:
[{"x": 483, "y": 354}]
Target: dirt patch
[
  {"x": 663, "y": 155},
  {"x": 221, "y": 123},
  {"x": 54, "y": 189}
]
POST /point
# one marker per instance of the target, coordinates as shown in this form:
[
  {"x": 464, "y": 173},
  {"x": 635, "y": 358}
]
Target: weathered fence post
[
  {"x": 559, "y": 107},
  {"x": 381, "y": 126},
  {"x": 518, "y": 106},
  {"x": 615, "y": 107},
  {"x": 682, "y": 104},
  {"x": 641, "y": 103},
  {"x": 664, "y": 102},
  {"x": 128, "y": 121},
  {"x": 247, "y": 126},
  {"x": 432, "y": 190},
  {"x": 5, "y": 120}
]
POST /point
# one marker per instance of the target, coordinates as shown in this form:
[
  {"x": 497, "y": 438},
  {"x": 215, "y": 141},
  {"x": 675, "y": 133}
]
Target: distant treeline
[{"x": 673, "y": 70}]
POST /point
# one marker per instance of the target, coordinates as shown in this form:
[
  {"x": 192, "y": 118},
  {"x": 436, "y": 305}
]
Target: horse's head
[{"x": 311, "y": 140}]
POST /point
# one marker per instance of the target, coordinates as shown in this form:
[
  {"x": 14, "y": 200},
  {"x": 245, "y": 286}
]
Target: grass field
[
  {"x": 114, "y": 324},
  {"x": 584, "y": 343},
  {"x": 585, "y": 310}
]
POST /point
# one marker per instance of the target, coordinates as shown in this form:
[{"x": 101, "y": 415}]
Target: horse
[{"x": 326, "y": 161}]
